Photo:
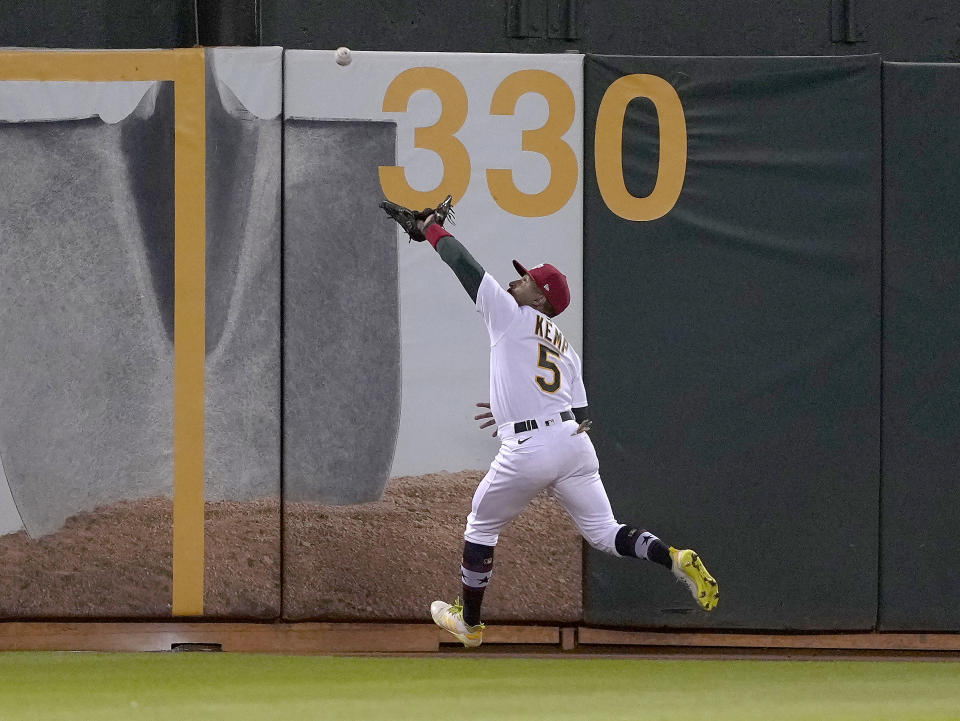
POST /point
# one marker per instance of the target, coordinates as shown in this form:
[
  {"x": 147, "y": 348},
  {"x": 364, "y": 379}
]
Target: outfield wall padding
[
  {"x": 242, "y": 462},
  {"x": 341, "y": 344},
  {"x": 243, "y": 276},
  {"x": 921, "y": 373},
  {"x": 87, "y": 344},
  {"x": 732, "y": 345},
  {"x": 86, "y": 388},
  {"x": 749, "y": 402},
  {"x": 87, "y": 385}
]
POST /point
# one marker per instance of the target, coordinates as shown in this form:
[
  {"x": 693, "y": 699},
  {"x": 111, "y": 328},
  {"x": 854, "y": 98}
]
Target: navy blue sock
[
  {"x": 475, "y": 573},
  {"x": 634, "y": 542}
]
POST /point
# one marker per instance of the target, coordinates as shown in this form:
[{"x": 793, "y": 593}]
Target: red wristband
[{"x": 434, "y": 232}]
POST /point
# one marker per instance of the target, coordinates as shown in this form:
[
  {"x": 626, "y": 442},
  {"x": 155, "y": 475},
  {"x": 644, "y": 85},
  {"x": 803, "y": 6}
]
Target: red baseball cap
[{"x": 551, "y": 281}]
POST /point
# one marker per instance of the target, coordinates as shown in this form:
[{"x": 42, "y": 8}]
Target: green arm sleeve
[{"x": 468, "y": 270}]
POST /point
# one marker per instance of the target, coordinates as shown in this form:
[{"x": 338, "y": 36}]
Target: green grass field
[{"x": 242, "y": 687}]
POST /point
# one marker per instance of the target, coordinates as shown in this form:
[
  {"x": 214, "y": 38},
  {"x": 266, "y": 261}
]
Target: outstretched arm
[
  {"x": 427, "y": 224},
  {"x": 468, "y": 270}
]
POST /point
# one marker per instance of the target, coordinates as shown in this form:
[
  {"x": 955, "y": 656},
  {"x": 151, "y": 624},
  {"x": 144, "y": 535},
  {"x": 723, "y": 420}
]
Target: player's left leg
[
  {"x": 689, "y": 569},
  {"x": 585, "y": 500}
]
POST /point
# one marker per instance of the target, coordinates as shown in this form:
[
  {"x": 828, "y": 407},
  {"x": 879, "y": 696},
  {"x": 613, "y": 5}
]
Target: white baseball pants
[{"x": 550, "y": 457}]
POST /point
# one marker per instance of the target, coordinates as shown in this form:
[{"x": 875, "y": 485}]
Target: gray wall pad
[
  {"x": 151, "y": 174},
  {"x": 742, "y": 329},
  {"x": 919, "y": 579},
  {"x": 243, "y": 301},
  {"x": 341, "y": 338},
  {"x": 86, "y": 389},
  {"x": 10, "y": 521}
]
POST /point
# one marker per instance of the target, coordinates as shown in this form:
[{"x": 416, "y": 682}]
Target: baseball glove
[{"x": 411, "y": 220}]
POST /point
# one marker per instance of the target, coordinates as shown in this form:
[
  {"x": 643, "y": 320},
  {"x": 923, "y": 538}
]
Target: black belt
[{"x": 524, "y": 426}]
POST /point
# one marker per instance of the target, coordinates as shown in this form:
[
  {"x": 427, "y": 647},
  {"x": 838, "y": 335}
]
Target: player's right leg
[
  {"x": 502, "y": 494},
  {"x": 449, "y": 617},
  {"x": 462, "y": 618}
]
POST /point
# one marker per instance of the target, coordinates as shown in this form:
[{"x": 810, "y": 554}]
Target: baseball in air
[{"x": 344, "y": 56}]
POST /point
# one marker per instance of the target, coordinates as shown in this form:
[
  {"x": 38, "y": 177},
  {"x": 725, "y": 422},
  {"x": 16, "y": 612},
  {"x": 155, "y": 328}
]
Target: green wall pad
[
  {"x": 732, "y": 341},
  {"x": 921, "y": 379}
]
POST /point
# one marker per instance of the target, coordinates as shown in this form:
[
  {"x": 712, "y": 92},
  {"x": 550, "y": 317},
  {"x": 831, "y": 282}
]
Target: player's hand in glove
[
  {"x": 414, "y": 221},
  {"x": 490, "y": 422}
]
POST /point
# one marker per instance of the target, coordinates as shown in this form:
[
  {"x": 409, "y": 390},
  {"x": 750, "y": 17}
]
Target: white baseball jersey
[{"x": 534, "y": 371}]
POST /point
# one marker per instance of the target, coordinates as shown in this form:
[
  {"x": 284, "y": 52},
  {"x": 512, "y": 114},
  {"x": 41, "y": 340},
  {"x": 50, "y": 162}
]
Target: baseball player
[{"x": 538, "y": 401}]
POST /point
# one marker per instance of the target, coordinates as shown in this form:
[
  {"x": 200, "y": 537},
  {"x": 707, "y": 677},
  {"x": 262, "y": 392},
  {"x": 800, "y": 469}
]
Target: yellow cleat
[
  {"x": 688, "y": 567},
  {"x": 450, "y": 618}
]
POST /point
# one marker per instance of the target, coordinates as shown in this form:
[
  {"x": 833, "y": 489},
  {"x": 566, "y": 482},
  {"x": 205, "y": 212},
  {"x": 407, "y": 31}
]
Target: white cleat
[{"x": 449, "y": 617}]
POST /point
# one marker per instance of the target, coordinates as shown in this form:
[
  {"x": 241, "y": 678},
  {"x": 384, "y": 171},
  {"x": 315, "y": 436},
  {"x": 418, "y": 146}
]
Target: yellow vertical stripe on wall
[
  {"x": 189, "y": 338},
  {"x": 186, "y": 69}
]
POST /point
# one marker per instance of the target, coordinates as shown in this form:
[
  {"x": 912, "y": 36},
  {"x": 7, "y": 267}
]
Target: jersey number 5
[{"x": 544, "y": 362}]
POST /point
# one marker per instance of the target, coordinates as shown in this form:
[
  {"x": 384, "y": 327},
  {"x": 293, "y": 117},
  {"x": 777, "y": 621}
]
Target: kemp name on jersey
[{"x": 550, "y": 333}]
